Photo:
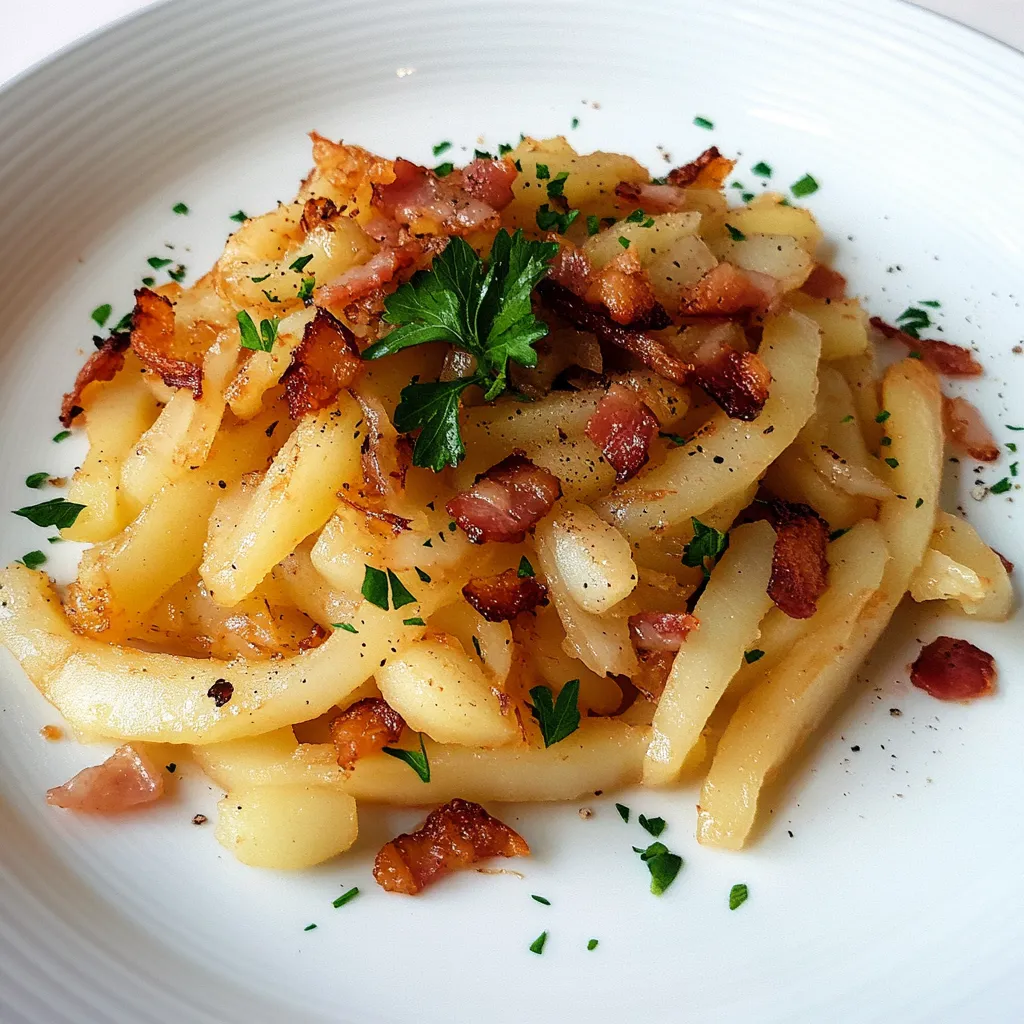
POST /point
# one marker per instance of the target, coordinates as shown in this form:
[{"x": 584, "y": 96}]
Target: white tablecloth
[{"x": 34, "y": 29}]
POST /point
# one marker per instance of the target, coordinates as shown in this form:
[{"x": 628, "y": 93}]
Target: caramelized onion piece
[
  {"x": 652, "y": 198},
  {"x": 153, "y": 342},
  {"x": 505, "y": 501},
  {"x": 454, "y": 836},
  {"x": 952, "y": 669},
  {"x": 966, "y": 430},
  {"x": 127, "y": 779},
  {"x": 942, "y": 356},
  {"x": 365, "y": 728},
  {"x": 501, "y": 598},
  {"x": 325, "y": 361},
  {"x": 104, "y": 364}
]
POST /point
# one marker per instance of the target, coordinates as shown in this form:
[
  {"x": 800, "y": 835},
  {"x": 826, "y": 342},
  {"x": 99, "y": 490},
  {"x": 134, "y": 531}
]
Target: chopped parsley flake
[
  {"x": 478, "y": 648},
  {"x": 259, "y": 341},
  {"x": 305, "y": 292},
  {"x": 537, "y": 946},
  {"x": 846, "y": 419},
  {"x": 762, "y": 170},
  {"x": 414, "y": 621},
  {"x": 159, "y": 262},
  {"x": 753, "y": 655},
  {"x": 738, "y": 895},
  {"x": 735, "y": 234},
  {"x": 623, "y": 811},
  {"x": 919, "y": 503},
  {"x": 422, "y": 575},
  {"x": 747, "y": 196},
  {"x": 891, "y": 462},
  {"x": 548, "y": 219},
  {"x": 557, "y": 185},
  {"x": 443, "y": 170},
  {"x": 655, "y": 826},
  {"x": 592, "y": 944},
  {"x": 101, "y": 314},
  {"x": 346, "y": 897},
  {"x": 58, "y": 512},
  {"x": 259, "y": 280},
  {"x": 375, "y": 587},
  {"x": 415, "y": 759},
  {"x": 543, "y": 171},
  {"x": 574, "y": 123},
  {"x": 180, "y": 208},
  {"x": 33, "y": 559},
  {"x": 540, "y": 899},
  {"x": 804, "y": 187},
  {"x": 662, "y": 864},
  {"x": 559, "y": 717},
  {"x": 36, "y": 480},
  {"x": 882, "y": 416},
  {"x": 1013, "y": 468},
  {"x": 347, "y": 626},
  {"x": 836, "y": 534},
  {"x": 593, "y": 224},
  {"x": 707, "y": 543},
  {"x": 309, "y": 927},
  {"x": 1002, "y": 486},
  {"x": 400, "y": 595},
  {"x": 299, "y": 265},
  {"x": 931, "y": 303},
  {"x": 61, "y": 435},
  {"x": 525, "y": 569},
  {"x": 623, "y": 241},
  {"x": 703, "y": 122},
  {"x": 240, "y": 217},
  {"x": 441, "y": 147},
  {"x": 636, "y": 216}
]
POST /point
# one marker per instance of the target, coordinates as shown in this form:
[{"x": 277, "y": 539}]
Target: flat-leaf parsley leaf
[
  {"x": 415, "y": 759},
  {"x": 556, "y": 718}
]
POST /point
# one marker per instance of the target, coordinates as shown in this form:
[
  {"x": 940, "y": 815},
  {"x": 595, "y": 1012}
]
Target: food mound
[{"x": 509, "y": 482}]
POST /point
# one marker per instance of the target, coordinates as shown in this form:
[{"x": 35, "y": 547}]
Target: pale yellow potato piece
[
  {"x": 298, "y": 494},
  {"x": 118, "y": 412},
  {"x": 960, "y": 566},
  {"x": 862, "y": 376},
  {"x": 183, "y": 433},
  {"x": 765, "y": 216},
  {"x": 776, "y": 717},
  {"x": 601, "y": 642},
  {"x": 300, "y": 584},
  {"x": 843, "y": 324},
  {"x": 674, "y": 269},
  {"x": 646, "y": 242},
  {"x": 602, "y": 754},
  {"x": 778, "y": 256},
  {"x": 123, "y": 693},
  {"x": 590, "y": 184},
  {"x": 438, "y": 689},
  {"x": 689, "y": 481},
  {"x": 593, "y": 559},
  {"x": 126, "y": 575},
  {"x": 286, "y": 827},
  {"x": 493, "y": 640},
  {"x": 729, "y": 612},
  {"x": 344, "y": 548}
]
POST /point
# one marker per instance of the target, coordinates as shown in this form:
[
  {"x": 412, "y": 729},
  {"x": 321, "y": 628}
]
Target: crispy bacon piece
[
  {"x": 365, "y": 728},
  {"x": 965, "y": 428},
  {"x": 725, "y": 290},
  {"x": 824, "y": 283},
  {"x": 153, "y": 342},
  {"x": 220, "y": 691},
  {"x": 942, "y": 356},
  {"x": 427, "y": 204},
  {"x": 799, "y": 563},
  {"x": 316, "y": 211},
  {"x": 127, "y": 779},
  {"x": 1007, "y": 564},
  {"x": 490, "y": 181},
  {"x": 661, "y": 631},
  {"x": 652, "y": 198},
  {"x": 454, "y": 836},
  {"x": 325, "y": 361},
  {"x": 396, "y": 523},
  {"x": 501, "y": 598},
  {"x": 651, "y": 351},
  {"x": 103, "y": 364},
  {"x": 737, "y": 381},
  {"x": 709, "y": 170},
  {"x": 373, "y": 275},
  {"x": 622, "y": 426},
  {"x": 624, "y": 289},
  {"x": 571, "y": 267},
  {"x": 314, "y": 638},
  {"x": 653, "y": 674},
  {"x": 505, "y": 501},
  {"x": 952, "y": 669}
]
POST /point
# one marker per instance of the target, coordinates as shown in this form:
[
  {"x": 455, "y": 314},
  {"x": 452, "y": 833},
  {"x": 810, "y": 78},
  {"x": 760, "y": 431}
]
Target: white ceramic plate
[{"x": 887, "y": 883}]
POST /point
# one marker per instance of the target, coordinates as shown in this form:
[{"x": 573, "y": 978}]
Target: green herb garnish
[
  {"x": 158, "y": 262},
  {"x": 180, "y": 208},
  {"x": 61, "y": 435},
  {"x": 554, "y": 220},
  {"x": 309, "y": 927},
  {"x": 762, "y": 170},
  {"x": 58, "y": 512},
  {"x": 347, "y": 626},
  {"x": 735, "y": 234},
  {"x": 540, "y": 899},
  {"x": 415, "y": 759},
  {"x": 1002, "y": 486},
  {"x": 882, "y": 416},
  {"x": 346, "y": 897},
  {"x": 662, "y": 864},
  {"x": 441, "y": 147},
  {"x": 753, "y": 655},
  {"x": 240, "y": 217},
  {"x": 593, "y": 224},
  {"x": 543, "y": 172},
  {"x": 299, "y": 265},
  {"x": 592, "y": 944},
  {"x": 486, "y": 313},
  {"x": 443, "y": 170},
  {"x": 556, "y": 718},
  {"x": 707, "y": 543},
  {"x": 305, "y": 292},
  {"x": 525, "y": 569},
  {"x": 375, "y": 587},
  {"x": 623, "y": 811},
  {"x": 703, "y": 122},
  {"x": 624, "y": 241},
  {"x": 738, "y": 895},
  {"x": 259, "y": 341},
  {"x": 415, "y": 621},
  {"x": 101, "y": 314},
  {"x": 400, "y": 595},
  {"x": 804, "y": 187},
  {"x": 537, "y": 946},
  {"x": 36, "y": 480},
  {"x": 892, "y": 463},
  {"x": 655, "y": 826},
  {"x": 33, "y": 559}
]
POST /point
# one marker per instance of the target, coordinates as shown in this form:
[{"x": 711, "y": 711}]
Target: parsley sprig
[{"x": 485, "y": 312}]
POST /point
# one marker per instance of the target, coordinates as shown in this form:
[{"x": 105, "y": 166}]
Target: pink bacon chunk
[
  {"x": 661, "y": 631},
  {"x": 622, "y": 427},
  {"x": 127, "y": 779}
]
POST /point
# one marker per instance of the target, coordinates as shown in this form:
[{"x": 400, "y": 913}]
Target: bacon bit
[
  {"x": 965, "y": 428},
  {"x": 624, "y": 289},
  {"x": 709, "y": 170},
  {"x": 127, "y": 779},
  {"x": 395, "y": 522},
  {"x": 571, "y": 267},
  {"x": 104, "y": 364},
  {"x": 383, "y": 229},
  {"x": 365, "y": 728},
  {"x": 490, "y": 181},
  {"x": 824, "y": 283},
  {"x": 501, "y": 598},
  {"x": 951, "y": 669},
  {"x": 370, "y": 277},
  {"x": 431, "y": 205},
  {"x": 316, "y": 636},
  {"x": 799, "y": 563},
  {"x": 737, "y": 381},
  {"x": 655, "y": 667},
  {"x": 454, "y": 836},
  {"x": 153, "y": 342},
  {"x": 199, "y": 819},
  {"x": 325, "y": 361},
  {"x": 622, "y": 426},
  {"x": 317, "y": 211},
  {"x": 505, "y": 501},
  {"x": 943, "y": 357},
  {"x": 221, "y": 691},
  {"x": 1007, "y": 564},
  {"x": 51, "y": 733},
  {"x": 651, "y": 351},
  {"x": 652, "y": 198},
  {"x": 725, "y": 290},
  {"x": 661, "y": 631}
]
